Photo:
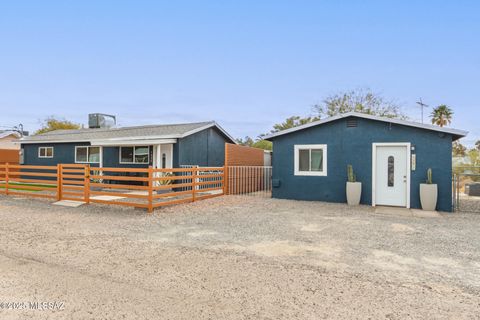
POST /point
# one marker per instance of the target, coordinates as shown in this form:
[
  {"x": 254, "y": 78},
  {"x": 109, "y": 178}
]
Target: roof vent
[
  {"x": 101, "y": 120},
  {"x": 352, "y": 123}
]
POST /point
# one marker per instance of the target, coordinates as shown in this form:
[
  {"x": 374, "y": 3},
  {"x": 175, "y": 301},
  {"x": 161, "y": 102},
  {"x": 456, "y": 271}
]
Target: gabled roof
[
  {"x": 457, "y": 134},
  {"x": 6, "y": 133},
  {"x": 149, "y": 132}
]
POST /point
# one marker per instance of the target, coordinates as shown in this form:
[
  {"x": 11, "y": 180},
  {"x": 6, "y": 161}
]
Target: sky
[{"x": 245, "y": 64}]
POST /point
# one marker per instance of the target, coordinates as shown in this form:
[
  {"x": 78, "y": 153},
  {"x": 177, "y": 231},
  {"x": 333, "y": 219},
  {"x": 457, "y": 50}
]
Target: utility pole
[{"x": 422, "y": 105}]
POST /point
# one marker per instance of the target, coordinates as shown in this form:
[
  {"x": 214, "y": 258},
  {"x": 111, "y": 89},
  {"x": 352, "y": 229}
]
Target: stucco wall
[
  {"x": 9, "y": 142},
  {"x": 205, "y": 148},
  {"x": 62, "y": 153},
  {"x": 354, "y": 146}
]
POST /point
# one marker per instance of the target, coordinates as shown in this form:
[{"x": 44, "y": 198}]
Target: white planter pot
[
  {"x": 354, "y": 191},
  {"x": 428, "y": 196}
]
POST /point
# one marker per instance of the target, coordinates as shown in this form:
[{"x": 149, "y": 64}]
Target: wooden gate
[{"x": 73, "y": 182}]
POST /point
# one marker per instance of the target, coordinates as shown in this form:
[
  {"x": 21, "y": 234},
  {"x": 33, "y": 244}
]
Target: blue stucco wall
[
  {"x": 111, "y": 158},
  {"x": 205, "y": 148},
  {"x": 62, "y": 153},
  {"x": 65, "y": 153},
  {"x": 354, "y": 146}
]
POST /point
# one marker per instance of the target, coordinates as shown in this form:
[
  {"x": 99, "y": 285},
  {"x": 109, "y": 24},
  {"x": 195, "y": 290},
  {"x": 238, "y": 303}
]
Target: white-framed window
[
  {"x": 45, "y": 152},
  {"x": 135, "y": 154},
  {"x": 87, "y": 154},
  {"x": 310, "y": 159}
]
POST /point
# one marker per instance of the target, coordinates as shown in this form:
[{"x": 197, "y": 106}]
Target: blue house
[
  {"x": 390, "y": 158},
  {"x": 160, "y": 146}
]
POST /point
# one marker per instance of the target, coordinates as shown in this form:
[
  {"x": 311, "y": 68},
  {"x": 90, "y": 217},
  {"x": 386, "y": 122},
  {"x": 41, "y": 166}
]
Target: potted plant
[
  {"x": 354, "y": 188},
  {"x": 428, "y": 193}
]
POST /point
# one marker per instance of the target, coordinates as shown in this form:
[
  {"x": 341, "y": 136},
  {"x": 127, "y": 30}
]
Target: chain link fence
[{"x": 466, "y": 189}]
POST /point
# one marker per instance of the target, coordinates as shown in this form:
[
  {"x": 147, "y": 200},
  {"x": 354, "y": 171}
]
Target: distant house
[
  {"x": 161, "y": 146},
  {"x": 9, "y": 139},
  {"x": 389, "y": 156}
]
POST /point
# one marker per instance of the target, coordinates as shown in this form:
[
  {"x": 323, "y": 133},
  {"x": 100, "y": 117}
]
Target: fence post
[
  {"x": 59, "y": 182},
  {"x": 86, "y": 184},
  {"x": 6, "y": 178},
  {"x": 150, "y": 189},
  {"x": 225, "y": 172},
  {"x": 194, "y": 183},
  {"x": 225, "y": 180}
]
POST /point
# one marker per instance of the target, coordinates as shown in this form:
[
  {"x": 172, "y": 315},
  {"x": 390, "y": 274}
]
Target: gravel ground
[
  {"x": 469, "y": 203},
  {"x": 237, "y": 258}
]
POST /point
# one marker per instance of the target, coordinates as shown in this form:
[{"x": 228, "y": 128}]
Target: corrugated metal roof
[{"x": 137, "y": 132}]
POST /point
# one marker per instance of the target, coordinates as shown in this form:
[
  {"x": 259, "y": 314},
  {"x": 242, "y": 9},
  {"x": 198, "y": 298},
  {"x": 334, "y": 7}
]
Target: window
[
  {"x": 138, "y": 154},
  {"x": 45, "y": 152},
  {"x": 310, "y": 160},
  {"x": 87, "y": 154},
  {"x": 391, "y": 171}
]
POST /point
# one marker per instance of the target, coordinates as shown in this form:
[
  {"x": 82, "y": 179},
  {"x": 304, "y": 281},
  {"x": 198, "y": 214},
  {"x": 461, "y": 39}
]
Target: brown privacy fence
[
  {"x": 149, "y": 188},
  {"x": 8, "y": 156},
  {"x": 236, "y": 155}
]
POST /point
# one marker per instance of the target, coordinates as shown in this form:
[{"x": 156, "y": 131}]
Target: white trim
[
  {"x": 297, "y": 148},
  {"x": 100, "y": 155},
  {"x": 213, "y": 124},
  {"x": 127, "y": 142},
  {"x": 134, "y": 147},
  {"x": 9, "y": 133},
  {"x": 45, "y": 156},
  {"x": 408, "y": 145},
  {"x": 49, "y": 141},
  {"x": 452, "y": 131},
  {"x": 113, "y": 141}
]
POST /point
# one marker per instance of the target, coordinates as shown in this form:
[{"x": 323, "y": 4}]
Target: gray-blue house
[
  {"x": 389, "y": 156},
  {"x": 161, "y": 146}
]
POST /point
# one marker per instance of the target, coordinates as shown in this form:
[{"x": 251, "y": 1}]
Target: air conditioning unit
[{"x": 101, "y": 120}]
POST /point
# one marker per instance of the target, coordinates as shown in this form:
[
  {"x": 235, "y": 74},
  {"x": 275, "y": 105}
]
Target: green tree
[
  {"x": 360, "y": 100},
  {"x": 247, "y": 141},
  {"x": 477, "y": 145},
  {"x": 263, "y": 144},
  {"x": 442, "y": 115},
  {"x": 258, "y": 143},
  {"x": 293, "y": 121},
  {"x": 458, "y": 149},
  {"x": 51, "y": 124},
  {"x": 474, "y": 156}
]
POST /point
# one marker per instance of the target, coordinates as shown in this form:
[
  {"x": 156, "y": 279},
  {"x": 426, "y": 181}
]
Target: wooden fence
[
  {"x": 249, "y": 180},
  {"x": 137, "y": 187}
]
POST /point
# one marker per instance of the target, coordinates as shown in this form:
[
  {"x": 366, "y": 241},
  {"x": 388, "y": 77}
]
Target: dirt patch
[
  {"x": 398, "y": 227},
  {"x": 237, "y": 258}
]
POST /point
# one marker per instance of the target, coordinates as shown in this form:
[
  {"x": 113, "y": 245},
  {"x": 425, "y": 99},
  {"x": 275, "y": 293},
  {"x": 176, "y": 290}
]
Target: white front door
[
  {"x": 163, "y": 156},
  {"x": 391, "y": 175}
]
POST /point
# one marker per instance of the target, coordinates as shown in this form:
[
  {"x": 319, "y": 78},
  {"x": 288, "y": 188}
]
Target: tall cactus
[
  {"x": 429, "y": 176},
  {"x": 350, "y": 175}
]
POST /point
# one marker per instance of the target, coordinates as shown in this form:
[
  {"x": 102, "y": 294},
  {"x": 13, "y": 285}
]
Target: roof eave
[{"x": 456, "y": 134}]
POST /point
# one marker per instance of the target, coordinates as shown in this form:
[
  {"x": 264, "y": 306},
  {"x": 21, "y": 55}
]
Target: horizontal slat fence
[{"x": 147, "y": 188}]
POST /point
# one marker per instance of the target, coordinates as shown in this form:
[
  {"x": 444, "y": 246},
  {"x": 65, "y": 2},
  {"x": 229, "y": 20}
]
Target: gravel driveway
[{"x": 236, "y": 258}]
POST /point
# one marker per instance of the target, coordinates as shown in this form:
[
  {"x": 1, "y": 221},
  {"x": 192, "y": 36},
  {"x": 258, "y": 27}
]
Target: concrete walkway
[{"x": 395, "y": 211}]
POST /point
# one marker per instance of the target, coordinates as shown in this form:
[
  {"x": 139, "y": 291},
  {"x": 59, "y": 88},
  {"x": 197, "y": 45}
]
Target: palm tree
[{"x": 442, "y": 115}]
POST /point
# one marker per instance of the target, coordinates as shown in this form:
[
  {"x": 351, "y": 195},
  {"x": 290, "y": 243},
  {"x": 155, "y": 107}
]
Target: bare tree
[{"x": 360, "y": 100}]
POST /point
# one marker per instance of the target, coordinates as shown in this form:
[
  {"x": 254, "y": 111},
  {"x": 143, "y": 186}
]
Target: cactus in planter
[
  {"x": 350, "y": 175},
  {"x": 354, "y": 188},
  {"x": 429, "y": 176}
]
